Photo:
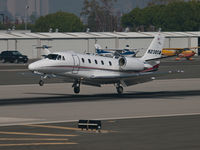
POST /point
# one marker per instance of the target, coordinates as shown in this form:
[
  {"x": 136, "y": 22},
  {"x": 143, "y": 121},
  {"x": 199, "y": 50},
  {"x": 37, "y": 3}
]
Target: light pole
[{"x": 26, "y": 16}]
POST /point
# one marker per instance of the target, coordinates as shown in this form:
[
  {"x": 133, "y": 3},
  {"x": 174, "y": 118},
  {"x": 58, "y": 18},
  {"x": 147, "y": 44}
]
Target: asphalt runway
[
  {"x": 52, "y": 104},
  {"x": 162, "y": 114}
]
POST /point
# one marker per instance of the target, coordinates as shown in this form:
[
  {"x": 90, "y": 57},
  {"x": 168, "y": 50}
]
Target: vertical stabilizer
[
  {"x": 155, "y": 49},
  {"x": 46, "y": 50}
]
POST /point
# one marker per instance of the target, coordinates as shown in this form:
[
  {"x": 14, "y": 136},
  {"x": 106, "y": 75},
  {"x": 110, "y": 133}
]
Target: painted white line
[
  {"x": 13, "y": 70},
  {"x": 151, "y": 116},
  {"x": 111, "y": 118},
  {"x": 32, "y": 85}
]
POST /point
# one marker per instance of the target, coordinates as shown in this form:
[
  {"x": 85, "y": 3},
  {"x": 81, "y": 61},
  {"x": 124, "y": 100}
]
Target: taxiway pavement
[
  {"x": 160, "y": 133},
  {"x": 163, "y": 114}
]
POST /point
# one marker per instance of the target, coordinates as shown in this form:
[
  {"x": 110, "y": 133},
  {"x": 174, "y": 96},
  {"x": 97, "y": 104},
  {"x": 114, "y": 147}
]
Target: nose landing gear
[{"x": 41, "y": 82}]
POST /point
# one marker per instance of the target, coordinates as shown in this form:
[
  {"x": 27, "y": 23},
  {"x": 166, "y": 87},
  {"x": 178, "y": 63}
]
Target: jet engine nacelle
[{"x": 127, "y": 63}]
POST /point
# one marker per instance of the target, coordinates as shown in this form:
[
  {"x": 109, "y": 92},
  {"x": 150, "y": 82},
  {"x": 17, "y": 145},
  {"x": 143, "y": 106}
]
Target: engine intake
[
  {"x": 122, "y": 61},
  {"x": 126, "y": 63}
]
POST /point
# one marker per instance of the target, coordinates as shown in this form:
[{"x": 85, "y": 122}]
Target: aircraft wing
[
  {"x": 130, "y": 75},
  {"x": 181, "y": 49},
  {"x": 136, "y": 78},
  {"x": 173, "y": 48}
]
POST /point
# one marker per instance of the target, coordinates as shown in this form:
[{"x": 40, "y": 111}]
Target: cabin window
[
  {"x": 63, "y": 58},
  {"x": 83, "y": 60},
  {"x": 59, "y": 57},
  {"x": 89, "y": 61},
  {"x": 110, "y": 63},
  {"x": 102, "y": 62},
  {"x": 96, "y": 61}
]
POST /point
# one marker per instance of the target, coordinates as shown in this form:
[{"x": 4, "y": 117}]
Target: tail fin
[
  {"x": 46, "y": 50},
  {"x": 97, "y": 46},
  {"x": 155, "y": 49}
]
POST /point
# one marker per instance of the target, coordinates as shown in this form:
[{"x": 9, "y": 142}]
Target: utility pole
[{"x": 26, "y": 16}]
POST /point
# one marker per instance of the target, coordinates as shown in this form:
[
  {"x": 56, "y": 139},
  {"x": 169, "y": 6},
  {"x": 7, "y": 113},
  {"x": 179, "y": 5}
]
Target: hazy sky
[
  {"x": 75, "y": 6},
  {"x": 17, "y": 8}
]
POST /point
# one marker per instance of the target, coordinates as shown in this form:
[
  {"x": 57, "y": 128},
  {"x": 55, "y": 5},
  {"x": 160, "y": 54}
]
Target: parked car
[{"x": 13, "y": 57}]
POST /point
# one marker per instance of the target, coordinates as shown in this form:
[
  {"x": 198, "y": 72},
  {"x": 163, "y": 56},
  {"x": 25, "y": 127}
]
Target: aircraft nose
[
  {"x": 31, "y": 67},
  {"x": 36, "y": 66}
]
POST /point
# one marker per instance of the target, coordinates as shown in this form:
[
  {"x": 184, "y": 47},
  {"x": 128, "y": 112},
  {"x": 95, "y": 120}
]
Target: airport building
[{"x": 30, "y": 44}]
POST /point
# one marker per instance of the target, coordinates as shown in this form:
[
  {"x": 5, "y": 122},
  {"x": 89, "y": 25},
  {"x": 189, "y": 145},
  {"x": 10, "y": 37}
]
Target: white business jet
[{"x": 95, "y": 70}]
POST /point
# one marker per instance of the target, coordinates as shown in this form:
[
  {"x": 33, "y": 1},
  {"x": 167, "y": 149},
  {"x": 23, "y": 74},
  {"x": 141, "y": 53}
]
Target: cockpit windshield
[
  {"x": 52, "y": 56},
  {"x": 55, "y": 57}
]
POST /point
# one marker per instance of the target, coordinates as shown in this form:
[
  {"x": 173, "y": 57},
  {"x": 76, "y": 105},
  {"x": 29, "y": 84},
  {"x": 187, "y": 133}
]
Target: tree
[
  {"x": 162, "y": 2},
  {"x": 2, "y": 26},
  {"x": 100, "y": 15},
  {"x": 63, "y": 21},
  {"x": 173, "y": 16},
  {"x": 22, "y": 26},
  {"x": 33, "y": 18}
]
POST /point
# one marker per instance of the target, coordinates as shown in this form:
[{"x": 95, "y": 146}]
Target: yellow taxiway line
[
  {"x": 32, "y": 139},
  {"x": 37, "y": 144},
  {"x": 65, "y": 128},
  {"x": 55, "y": 127},
  {"x": 38, "y": 134}
]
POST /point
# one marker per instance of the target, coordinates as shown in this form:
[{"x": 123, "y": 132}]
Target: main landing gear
[
  {"x": 119, "y": 89},
  {"x": 76, "y": 86}
]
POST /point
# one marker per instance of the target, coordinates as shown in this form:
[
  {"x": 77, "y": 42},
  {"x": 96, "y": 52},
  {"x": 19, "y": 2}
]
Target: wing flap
[
  {"x": 136, "y": 78},
  {"x": 123, "y": 76}
]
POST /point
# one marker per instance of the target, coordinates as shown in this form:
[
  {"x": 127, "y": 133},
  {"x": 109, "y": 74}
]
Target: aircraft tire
[
  {"x": 41, "y": 83},
  {"x": 120, "y": 90},
  {"x": 76, "y": 90}
]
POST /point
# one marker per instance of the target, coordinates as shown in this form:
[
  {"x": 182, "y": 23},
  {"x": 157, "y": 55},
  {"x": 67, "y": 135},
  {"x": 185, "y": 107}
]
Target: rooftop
[{"x": 82, "y": 35}]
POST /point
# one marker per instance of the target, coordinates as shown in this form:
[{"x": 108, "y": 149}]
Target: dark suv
[{"x": 13, "y": 57}]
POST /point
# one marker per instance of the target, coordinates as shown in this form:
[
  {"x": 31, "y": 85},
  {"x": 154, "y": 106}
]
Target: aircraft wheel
[
  {"x": 41, "y": 82},
  {"x": 76, "y": 89},
  {"x": 119, "y": 89}
]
